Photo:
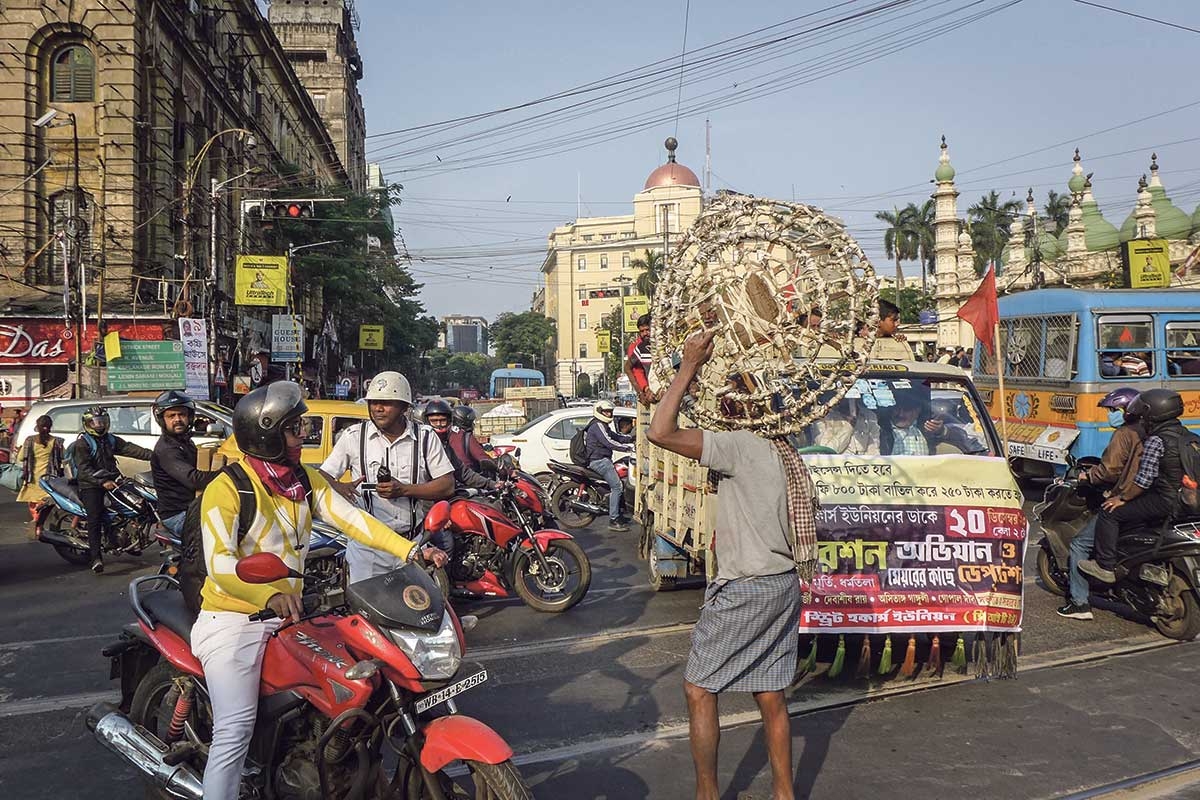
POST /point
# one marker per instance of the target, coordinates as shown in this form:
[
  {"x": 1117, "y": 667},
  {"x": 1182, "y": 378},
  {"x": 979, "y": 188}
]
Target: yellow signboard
[
  {"x": 370, "y": 337},
  {"x": 1149, "y": 263},
  {"x": 604, "y": 342},
  {"x": 261, "y": 281},
  {"x": 633, "y": 307}
]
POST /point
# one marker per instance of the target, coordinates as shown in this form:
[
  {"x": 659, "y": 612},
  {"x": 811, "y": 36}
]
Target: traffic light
[
  {"x": 600, "y": 294},
  {"x": 288, "y": 209}
]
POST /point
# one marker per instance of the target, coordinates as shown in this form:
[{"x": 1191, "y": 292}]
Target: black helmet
[
  {"x": 463, "y": 417},
  {"x": 436, "y": 408},
  {"x": 1156, "y": 406},
  {"x": 172, "y": 398},
  {"x": 259, "y": 419},
  {"x": 95, "y": 420}
]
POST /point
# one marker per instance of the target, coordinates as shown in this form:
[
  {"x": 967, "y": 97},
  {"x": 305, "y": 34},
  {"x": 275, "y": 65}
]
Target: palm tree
[
  {"x": 1058, "y": 207},
  {"x": 989, "y": 220},
  {"x": 651, "y": 266},
  {"x": 899, "y": 240},
  {"x": 921, "y": 225}
]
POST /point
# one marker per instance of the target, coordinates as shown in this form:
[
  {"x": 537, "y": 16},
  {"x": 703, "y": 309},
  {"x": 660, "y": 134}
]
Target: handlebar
[{"x": 264, "y": 615}]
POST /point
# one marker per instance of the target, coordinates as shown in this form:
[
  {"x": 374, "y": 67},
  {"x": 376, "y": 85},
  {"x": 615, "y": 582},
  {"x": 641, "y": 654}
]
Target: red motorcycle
[
  {"x": 510, "y": 544},
  {"x": 338, "y": 687}
]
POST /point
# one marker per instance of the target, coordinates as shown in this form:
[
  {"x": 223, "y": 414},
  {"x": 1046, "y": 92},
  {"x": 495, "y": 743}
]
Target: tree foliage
[
  {"x": 651, "y": 266},
  {"x": 988, "y": 224},
  {"x": 449, "y": 371},
  {"x": 912, "y": 302},
  {"x": 522, "y": 337},
  {"x": 1058, "y": 208},
  {"x": 901, "y": 241}
]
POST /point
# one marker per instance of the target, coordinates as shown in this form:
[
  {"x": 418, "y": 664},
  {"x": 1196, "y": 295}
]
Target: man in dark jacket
[
  {"x": 1154, "y": 495},
  {"x": 176, "y": 479},
  {"x": 95, "y": 456},
  {"x": 601, "y": 442}
]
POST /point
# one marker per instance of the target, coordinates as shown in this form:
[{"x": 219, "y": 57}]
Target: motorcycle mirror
[
  {"x": 468, "y": 622},
  {"x": 517, "y": 453},
  {"x": 264, "y": 568},
  {"x": 487, "y": 466},
  {"x": 437, "y": 517}
]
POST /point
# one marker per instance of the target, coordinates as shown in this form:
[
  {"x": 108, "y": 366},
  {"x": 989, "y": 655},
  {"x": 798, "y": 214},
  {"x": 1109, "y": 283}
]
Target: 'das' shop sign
[{"x": 261, "y": 281}]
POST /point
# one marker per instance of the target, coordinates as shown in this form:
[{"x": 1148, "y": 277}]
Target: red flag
[{"x": 982, "y": 313}]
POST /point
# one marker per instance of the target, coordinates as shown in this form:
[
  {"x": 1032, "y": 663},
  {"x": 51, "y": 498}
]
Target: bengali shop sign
[{"x": 915, "y": 545}]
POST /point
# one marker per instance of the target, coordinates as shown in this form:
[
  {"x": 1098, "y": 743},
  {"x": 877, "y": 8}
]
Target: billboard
[
  {"x": 633, "y": 307},
  {"x": 370, "y": 337},
  {"x": 287, "y": 337},
  {"x": 1148, "y": 263},
  {"x": 261, "y": 281}
]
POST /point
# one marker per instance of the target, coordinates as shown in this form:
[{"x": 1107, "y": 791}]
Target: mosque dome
[
  {"x": 1169, "y": 221},
  {"x": 945, "y": 170},
  {"x": 671, "y": 173}
]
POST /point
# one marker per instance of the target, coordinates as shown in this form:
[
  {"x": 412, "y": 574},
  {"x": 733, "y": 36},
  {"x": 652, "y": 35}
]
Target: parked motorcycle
[
  {"x": 132, "y": 517},
  {"x": 510, "y": 544},
  {"x": 579, "y": 495},
  {"x": 1158, "y": 567},
  {"x": 338, "y": 687}
]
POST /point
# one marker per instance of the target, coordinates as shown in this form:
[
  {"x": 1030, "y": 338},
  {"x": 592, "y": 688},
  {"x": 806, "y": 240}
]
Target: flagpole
[{"x": 1000, "y": 377}]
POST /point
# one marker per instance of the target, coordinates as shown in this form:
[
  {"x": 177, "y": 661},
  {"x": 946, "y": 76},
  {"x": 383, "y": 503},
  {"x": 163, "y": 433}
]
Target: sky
[{"x": 852, "y": 122}]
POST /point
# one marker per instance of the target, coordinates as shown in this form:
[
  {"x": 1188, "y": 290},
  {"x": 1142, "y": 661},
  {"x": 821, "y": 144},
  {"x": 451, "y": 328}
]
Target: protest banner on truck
[{"x": 915, "y": 545}]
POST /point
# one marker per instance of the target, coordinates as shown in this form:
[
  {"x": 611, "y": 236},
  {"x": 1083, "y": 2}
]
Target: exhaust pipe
[
  {"x": 143, "y": 750},
  {"x": 60, "y": 538},
  {"x": 579, "y": 505}
]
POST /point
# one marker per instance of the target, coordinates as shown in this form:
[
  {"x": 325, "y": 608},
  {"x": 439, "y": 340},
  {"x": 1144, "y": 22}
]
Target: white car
[{"x": 548, "y": 438}]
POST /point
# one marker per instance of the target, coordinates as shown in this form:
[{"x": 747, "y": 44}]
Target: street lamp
[
  {"x": 291, "y": 253},
  {"x": 77, "y": 307},
  {"x": 210, "y": 305}
]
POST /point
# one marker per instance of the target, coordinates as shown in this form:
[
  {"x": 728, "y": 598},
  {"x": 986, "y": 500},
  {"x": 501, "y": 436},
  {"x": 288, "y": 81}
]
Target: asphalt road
[{"x": 588, "y": 692}]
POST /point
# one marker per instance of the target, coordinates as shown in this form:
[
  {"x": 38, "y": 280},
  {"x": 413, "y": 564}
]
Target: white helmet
[
  {"x": 603, "y": 411},
  {"x": 390, "y": 386}
]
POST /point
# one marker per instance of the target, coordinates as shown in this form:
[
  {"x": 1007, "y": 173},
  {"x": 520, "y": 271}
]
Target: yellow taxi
[{"x": 326, "y": 420}]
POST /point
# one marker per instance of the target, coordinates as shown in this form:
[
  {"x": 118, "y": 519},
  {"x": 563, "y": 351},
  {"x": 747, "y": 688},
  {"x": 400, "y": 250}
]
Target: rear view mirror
[
  {"x": 216, "y": 429},
  {"x": 264, "y": 568},
  {"x": 437, "y": 517}
]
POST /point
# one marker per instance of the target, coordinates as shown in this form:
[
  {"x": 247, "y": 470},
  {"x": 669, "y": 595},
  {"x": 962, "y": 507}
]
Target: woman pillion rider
[{"x": 269, "y": 430}]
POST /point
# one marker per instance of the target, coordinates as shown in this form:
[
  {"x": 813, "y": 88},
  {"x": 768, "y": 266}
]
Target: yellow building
[{"x": 588, "y": 264}]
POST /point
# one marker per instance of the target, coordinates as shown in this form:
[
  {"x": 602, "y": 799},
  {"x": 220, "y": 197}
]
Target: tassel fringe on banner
[
  {"x": 958, "y": 659},
  {"x": 935, "y": 656},
  {"x": 885, "y": 660},
  {"x": 1007, "y": 667},
  {"x": 909, "y": 666},
  {"x": 839, "y": 658},
  {"x": 864, "y": 659},
  {"x": 809, "y": 663}
]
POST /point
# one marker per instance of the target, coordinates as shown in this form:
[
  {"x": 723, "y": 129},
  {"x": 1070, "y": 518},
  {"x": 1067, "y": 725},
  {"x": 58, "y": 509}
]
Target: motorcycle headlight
[{"x": 437, "y": 656}]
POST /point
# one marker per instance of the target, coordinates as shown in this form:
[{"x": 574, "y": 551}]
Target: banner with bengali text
[{"x": 915, "y": 544}]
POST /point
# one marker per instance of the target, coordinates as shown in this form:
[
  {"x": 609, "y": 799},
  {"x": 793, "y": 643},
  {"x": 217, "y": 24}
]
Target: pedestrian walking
[
  {"x": 747, "y": 636},
  {"x": 41, "y": 456}
]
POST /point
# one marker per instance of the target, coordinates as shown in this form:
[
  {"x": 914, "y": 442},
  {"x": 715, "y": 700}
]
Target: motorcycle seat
[
  {"x": 166, "y": 608},
  {"x": 577, "y": 471},
  {"x": 64, "y": 487}
]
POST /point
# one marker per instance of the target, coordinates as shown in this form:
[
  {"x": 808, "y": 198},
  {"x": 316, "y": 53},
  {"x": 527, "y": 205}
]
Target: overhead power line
[{"x": 1138, "y": 16}]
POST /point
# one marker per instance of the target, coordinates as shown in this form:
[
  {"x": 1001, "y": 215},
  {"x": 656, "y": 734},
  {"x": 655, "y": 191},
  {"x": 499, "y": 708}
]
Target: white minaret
[{"x": 945, "y": 262}]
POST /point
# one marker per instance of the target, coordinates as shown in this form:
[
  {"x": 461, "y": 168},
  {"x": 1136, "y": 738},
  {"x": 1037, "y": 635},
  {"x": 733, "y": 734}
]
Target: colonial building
[
  {"x": 319, "y": 42},
  {"x": 129, "y": 133},
  {"x": 588, "y": 266},
  {"x": 1086, "y": 255}
]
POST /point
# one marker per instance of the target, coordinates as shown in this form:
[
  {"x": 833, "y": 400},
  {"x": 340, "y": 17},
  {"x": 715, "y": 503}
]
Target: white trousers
[
  {"x": 230, "y": 647},
  {"x": 364, "y": 562}
]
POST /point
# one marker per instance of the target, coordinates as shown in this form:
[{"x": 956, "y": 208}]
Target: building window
[
  {"x": 587, "y": 237},
  {"x": 607, "y": 237},
  {"x": 627, "y": 235},
  {"x": 583, "y": 322},
  {"x": 73, "y": 75},
  {"x": 669, "y": 211},
  {"x": 582, "y": 263},
  {"x": 582, "y": 294},
  {"x": 604, "y": 261},
  {"x": 319, "y": 102},
  {"x": 625, "y": 261},
  {"x": 583, "y": 350}
]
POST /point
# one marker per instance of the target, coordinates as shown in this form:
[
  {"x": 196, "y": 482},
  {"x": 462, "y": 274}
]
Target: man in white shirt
[{"x": 415, "y": 471}]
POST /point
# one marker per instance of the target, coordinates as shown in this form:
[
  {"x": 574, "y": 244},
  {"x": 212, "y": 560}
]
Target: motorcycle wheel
[
  {"x": 560, "y": 505},
  {"x": 560, "y": 553},
  {"x": 493, "y": 781},
  {"x": 1046, "y": 573},
  {"x": 59, "y": 520},
  {"x": 153, "y": 704},
  {"x": 1184, "y": 623},
  {"x": 546, "y": 479}
]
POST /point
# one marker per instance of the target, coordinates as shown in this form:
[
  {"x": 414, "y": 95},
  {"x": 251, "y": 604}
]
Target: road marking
[
  {"x": 501, "y": 651},
  {"x": 58, "y": 640},
  {"x": 831, "y": 700},
  {"x": 43, "y": 705}
]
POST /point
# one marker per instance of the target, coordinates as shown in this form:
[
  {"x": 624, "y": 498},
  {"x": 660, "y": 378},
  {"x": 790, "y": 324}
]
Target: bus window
[
  {"x": 1025, "y": 348},
  {"x": 1183, "y": 348},
  {"x": 1060, "y": 347},
  {"x": 1126, "y": 346}
]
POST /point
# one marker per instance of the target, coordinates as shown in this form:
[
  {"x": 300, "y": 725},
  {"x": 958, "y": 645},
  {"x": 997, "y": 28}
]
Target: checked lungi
[{"x": 747, "y": 636}]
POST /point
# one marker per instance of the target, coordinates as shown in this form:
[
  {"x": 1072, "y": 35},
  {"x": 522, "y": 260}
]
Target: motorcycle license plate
[
  {"x": 442, "y": 695},
  {"x": 1152, "y": 573}
]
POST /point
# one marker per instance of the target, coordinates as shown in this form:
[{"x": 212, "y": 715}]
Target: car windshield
[{"x": 902, "y": 416}]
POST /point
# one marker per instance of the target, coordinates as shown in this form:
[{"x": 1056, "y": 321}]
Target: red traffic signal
[{"x": 288, "y": 209}]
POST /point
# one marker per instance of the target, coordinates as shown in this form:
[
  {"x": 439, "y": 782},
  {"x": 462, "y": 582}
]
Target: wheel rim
[
  {"x": 559, "y": 582},
  {"x": 463, "y": 787}
]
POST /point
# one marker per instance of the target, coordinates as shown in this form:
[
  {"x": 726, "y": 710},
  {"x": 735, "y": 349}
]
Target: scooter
[
  {"x": 356, "y": 701},
  {"x": 1158, "y": 567},
  {"x": 131, "y": 511},
  {"x": 580, "y": 495},
  {"x": 511, "y": 544}
]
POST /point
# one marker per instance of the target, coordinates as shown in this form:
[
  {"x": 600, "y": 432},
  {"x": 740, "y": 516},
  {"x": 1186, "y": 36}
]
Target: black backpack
[
  {"x": 578, "y": 449},
  {"x": 1189, "y": 458},
  {"x": 192, "y": 567}
]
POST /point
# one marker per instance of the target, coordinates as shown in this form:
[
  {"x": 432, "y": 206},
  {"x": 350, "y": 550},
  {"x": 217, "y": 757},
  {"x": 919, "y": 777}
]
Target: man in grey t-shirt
[{"x": 747, "y": 636}]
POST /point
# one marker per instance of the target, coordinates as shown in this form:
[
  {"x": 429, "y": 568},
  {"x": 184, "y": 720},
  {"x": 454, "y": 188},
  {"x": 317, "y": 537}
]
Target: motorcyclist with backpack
[
  {"x": 601, "y": 440},
  {"x": 269, "y": 428},
  {"x": 173, "y": 464},
  {"x": 1113, "y": 475},
  {"x": 437, "y": 416},
  {"x": 94, "y": 455},
  {"x": 1154, "y": 496},
  {"x": 468, "y": 449}
]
